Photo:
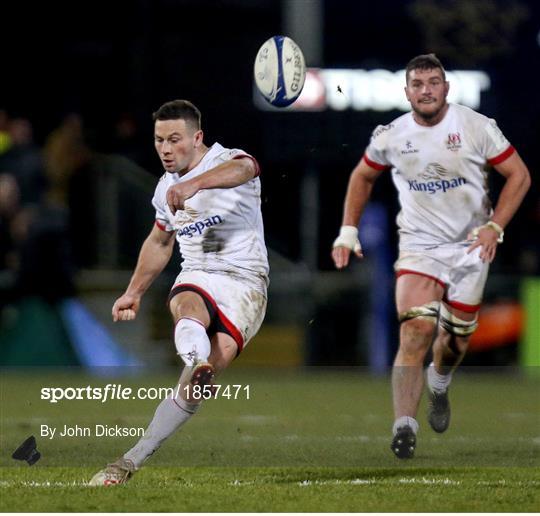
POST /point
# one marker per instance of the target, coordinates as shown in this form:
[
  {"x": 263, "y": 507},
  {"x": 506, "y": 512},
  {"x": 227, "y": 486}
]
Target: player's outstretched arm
[
  {"x": 154, "y": 255},
  {"x": 518, "y": 181},
  {"x": 358, "y": 193},
  {"x": 227, "y": 175}
]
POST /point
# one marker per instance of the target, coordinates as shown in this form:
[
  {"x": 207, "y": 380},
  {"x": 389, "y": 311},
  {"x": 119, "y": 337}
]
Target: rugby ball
[{"x": 280, "y": 71}]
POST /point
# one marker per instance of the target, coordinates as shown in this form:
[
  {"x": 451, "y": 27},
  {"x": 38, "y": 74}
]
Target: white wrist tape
[
  {"x": 492, "y": 225},
  {"x": 348, "y": 237}
]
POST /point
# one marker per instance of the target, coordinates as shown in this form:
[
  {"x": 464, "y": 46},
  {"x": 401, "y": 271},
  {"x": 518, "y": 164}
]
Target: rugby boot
[
  {"x": 118, "y": 472},
  {"x": 404, "y": 442},
  {"x": 439, "y": 411},
  {"x": 203, "y": 374}
]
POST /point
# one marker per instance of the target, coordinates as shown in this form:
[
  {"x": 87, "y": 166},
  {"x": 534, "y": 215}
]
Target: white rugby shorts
[
  {"x": 462, "y": 275},
  {"x": 236, "y": 307}
]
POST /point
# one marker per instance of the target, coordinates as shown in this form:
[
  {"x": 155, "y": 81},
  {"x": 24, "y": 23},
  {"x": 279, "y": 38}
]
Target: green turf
[
  {"x": 278, "y": 490},
  {"x": 316, "y": 441}
]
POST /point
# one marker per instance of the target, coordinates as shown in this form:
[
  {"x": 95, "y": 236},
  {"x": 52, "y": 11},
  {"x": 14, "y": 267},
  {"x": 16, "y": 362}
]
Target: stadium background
[{"x": 77, "y": 171}]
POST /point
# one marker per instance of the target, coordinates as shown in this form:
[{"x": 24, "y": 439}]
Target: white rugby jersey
[
  {"x": 220, "y": 229},
  {"x": 439, "y": 173}
]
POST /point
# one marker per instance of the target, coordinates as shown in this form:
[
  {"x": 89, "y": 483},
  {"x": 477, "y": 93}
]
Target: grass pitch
[{"x": 310, "y": 441}]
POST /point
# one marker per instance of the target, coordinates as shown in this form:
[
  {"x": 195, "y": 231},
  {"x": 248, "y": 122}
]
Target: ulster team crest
[{"x": 454, "y": 141}]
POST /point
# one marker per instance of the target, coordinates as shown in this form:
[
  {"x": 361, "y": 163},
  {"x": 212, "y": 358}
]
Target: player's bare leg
[
  {"x": 191, "y": 319},
  {"x": 417, "y": 299},
  {"x": 202, "y": 364},
  {"x": 407, "y": 378},
  {"x": 449, "y": 348}
]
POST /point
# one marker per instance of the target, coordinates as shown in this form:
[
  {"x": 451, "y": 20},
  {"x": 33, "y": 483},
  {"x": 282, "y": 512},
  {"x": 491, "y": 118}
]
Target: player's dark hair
[
  {"x": 179, "y": 110},
  {"x": 424, "y": 62}
]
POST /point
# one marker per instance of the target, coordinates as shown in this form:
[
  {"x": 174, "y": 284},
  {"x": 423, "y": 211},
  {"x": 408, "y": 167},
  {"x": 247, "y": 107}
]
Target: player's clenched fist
[
  {"x": 125, "y": 308},
  {"x": 178, "y": 194}
]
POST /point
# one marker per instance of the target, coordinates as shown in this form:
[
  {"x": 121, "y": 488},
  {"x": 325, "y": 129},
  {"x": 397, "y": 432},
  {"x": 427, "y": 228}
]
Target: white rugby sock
[
  {"x": 437, "y": 382},
  {"x": 170, "y": 415},
  {"x": 405, "y": 421},
  {"x": 191, "y": 340}
]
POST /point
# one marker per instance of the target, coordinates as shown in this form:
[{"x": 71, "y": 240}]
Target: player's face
[
  {"x": 426, "y": 90},
  {"x": 178, "y": 145}
]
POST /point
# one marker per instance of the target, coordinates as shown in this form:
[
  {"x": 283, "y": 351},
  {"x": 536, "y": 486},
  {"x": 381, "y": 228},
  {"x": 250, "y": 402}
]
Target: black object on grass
[{"x": 27, "y": 451}]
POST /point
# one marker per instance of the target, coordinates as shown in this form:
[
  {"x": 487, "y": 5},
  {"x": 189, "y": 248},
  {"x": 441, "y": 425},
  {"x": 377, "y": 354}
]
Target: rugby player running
[{"x": 439, "y": 155}]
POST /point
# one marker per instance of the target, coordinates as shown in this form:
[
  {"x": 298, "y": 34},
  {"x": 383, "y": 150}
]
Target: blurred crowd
[
  {"x": 48, "y": 201},
  {"x": 34, "y": 206}
]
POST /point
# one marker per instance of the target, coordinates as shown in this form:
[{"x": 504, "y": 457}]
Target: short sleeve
[
  {"x": 230, "y": 154},
  {"x": 160, "y": 205},
  {"x": 494, "y": 145},
  {"x": 376, "y": 152}
]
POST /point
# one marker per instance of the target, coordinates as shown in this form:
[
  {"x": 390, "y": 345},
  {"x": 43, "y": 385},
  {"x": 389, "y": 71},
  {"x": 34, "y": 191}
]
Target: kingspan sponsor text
[
  {"x": 435, "y": 186},
  {"x": 199, "y": 226}
]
